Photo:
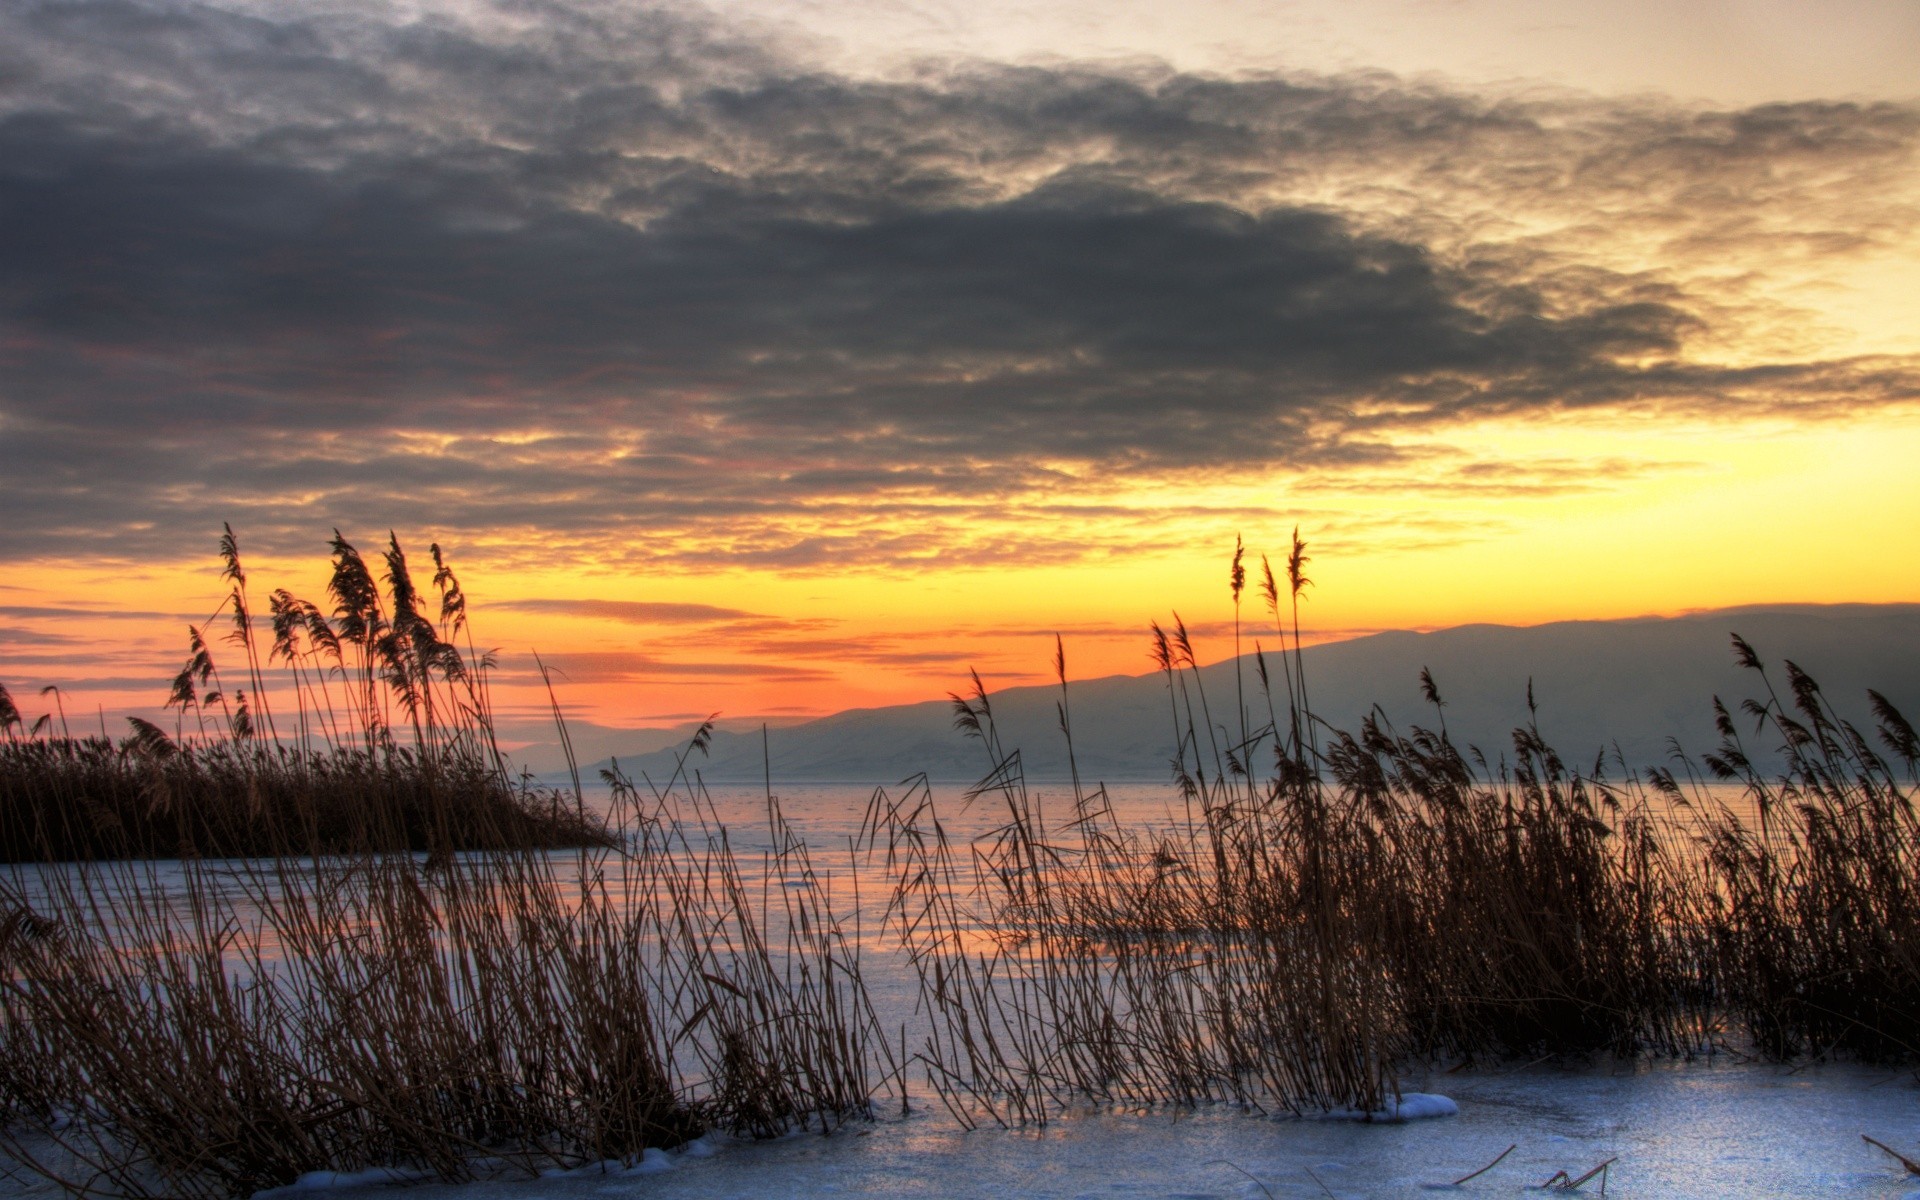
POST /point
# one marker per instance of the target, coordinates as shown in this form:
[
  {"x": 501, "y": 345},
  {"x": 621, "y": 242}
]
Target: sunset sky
[{"x": 782, "y": 356}]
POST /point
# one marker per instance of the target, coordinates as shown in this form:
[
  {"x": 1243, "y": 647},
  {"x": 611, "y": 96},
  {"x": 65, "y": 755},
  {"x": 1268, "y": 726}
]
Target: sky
[{"x": 783, "y": 356}]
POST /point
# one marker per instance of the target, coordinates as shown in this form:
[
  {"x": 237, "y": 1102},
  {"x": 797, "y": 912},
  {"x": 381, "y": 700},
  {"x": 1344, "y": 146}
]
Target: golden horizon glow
[
  {"x": 862, "y": 357},
  {"x": 1794, "y": 514}
]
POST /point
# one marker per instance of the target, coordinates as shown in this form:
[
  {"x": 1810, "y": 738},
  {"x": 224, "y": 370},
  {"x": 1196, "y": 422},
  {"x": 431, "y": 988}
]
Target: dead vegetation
[{"x": 375, "y": 733}]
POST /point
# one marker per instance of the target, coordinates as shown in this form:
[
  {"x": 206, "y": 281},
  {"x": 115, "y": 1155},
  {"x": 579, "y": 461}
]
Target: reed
[
  {"x": 324, "y": 928},
  {"x": 199, "y": 1029},
  {"x": 1375, "y": 898},
  {"x": 388, "y": 740},
  {"x": 1816, "y": 896}
]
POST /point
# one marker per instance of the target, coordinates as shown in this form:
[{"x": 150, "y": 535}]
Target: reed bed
[
  {"x": 323, "y": 928},
  {"x": 215, "y": 1029},
  {"x": 1298, "y": 935},
  {"x": 64, "y": 798},
  {"x": 1815, "y": 899},
  {"x": 370, "y": 728}
]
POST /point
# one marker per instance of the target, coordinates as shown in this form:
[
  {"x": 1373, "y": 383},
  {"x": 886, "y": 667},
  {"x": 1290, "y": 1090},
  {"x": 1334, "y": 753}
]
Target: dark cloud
[{"x": 591, "y": 278}]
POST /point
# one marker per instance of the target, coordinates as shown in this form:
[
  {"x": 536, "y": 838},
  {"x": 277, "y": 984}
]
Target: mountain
[
  {"x": 534, "y": 745},
  {"x": 1633, "y": 685}
]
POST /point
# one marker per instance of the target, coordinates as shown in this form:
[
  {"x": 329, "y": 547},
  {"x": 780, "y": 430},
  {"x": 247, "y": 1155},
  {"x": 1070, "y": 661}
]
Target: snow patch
[
  {"x": 652, "y": 1161},
  {"x": 1409, "y": 1106},
  {"x": 325, "y": 1181}
]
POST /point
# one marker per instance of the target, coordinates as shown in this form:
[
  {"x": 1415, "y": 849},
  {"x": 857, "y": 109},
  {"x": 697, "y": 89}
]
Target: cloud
[
  {"x": 619, "y": 666},
  {"x": 877, "y": 649},
  {"x": 13, "y": 636},
  {"x": 632, "y": 612},
  {"x": 77, "y": 613},
  {"x": 627, "y": 284}
]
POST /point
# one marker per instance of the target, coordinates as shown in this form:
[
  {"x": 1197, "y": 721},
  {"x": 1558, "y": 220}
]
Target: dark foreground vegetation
[
  {"x": 321, "y": 926},
  {"x": 213, "y": 1029},
  {"x": 1328, "y": 908},
  {"x": 1338, "y": 904}
]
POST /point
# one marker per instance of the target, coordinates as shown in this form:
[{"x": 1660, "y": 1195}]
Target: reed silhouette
[
  {"x": 1334, "y": 904},
  {"x": 378, "y": 734},
  {"x": 211, "y": 1028}
]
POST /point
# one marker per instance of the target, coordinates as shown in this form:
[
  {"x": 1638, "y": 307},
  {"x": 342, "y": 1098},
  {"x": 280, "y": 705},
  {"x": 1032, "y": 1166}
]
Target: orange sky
[{"x": 756, "y": 363}]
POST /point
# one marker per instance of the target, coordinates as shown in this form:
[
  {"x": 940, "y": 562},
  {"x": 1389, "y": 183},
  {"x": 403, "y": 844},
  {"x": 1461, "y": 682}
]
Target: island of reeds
[
  {"x": 1327, "y": 909},
  {"x": 379, "y": 737}
]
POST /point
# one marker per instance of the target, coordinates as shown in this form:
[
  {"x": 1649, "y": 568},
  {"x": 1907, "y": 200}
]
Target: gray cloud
[{"x": 621, "y": 278}]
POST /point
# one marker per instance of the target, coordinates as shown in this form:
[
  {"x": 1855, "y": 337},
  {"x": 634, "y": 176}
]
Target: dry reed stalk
[
  {"x": 1386, "y": 897},
  {"x": 339, "y": 779}
]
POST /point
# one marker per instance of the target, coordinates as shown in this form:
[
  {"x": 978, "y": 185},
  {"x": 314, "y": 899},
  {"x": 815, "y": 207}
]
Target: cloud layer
[{"x": 632, "y": 286}]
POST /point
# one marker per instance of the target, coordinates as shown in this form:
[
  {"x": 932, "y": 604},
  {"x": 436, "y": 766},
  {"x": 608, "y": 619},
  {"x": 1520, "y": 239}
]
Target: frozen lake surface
[
  {"x": 1719, "y": 1130},
  {"x": 1702, "y": 1130},
  {"x": 1725, "y": 1128}
]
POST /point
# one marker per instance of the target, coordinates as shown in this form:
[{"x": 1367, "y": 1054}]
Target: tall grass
[
  {"x": 1816, "y": 898},
  {"x": 1374, "y": 898},
  {"x": 213, "y": 1029},
  {"x": 367, "y": 728}
]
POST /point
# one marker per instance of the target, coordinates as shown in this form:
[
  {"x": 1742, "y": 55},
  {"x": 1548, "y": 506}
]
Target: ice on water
[{"x": 1708, "y": 1129}]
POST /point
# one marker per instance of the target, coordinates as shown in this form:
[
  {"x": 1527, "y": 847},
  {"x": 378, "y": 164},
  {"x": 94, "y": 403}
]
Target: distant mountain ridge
[{"x": 1635, "y": 686}]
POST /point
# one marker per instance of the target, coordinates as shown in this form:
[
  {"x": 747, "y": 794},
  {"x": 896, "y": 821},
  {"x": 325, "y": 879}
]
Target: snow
[
  {"x": 1408, "y": 1106},
  {"x": 1672, "y": 1130},
  {"x": 651, "y": 1161},
  {"x": 327, "y": 1181}
]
